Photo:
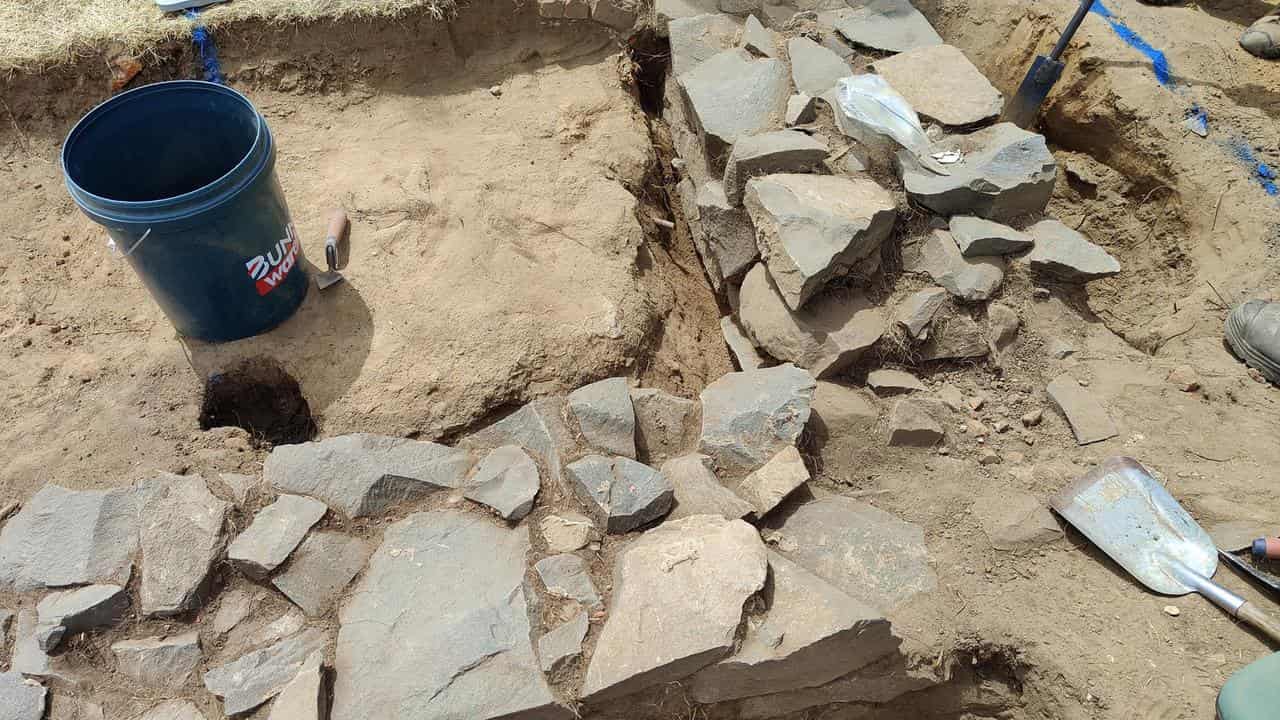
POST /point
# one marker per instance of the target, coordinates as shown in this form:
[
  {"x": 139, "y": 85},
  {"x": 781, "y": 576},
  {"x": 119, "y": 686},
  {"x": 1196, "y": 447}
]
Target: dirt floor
[{"x": 503, "y": 248}]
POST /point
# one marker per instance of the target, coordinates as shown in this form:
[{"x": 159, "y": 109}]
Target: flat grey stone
[
  {"x": 889, "y": 25},
  {"x": 978, "y": 237},
  {"x": 875, "y": 684},
  {"x": 605, "y": 415},
  {"x": 692, "y": 576},
  {"x": 159, "y": 662},
  {"x": 911, "y": 425},
  {"x": 749, "y": 416},
  {"x": 253, "y": 679},
  {"x": 239, "y": 487},
  {"x": 889, "y": 381},
  {"x": 620, "y": 493},
  {"x": 565, "y": 576},
  {"x": 233, "y": 607},
  {"x": 698, "y": 491},
  {"x": 567, "y": 531},
  {"x": 777, "y": 151},
  {"x": 462, "y": 650},
  {"x": 727, "y": 243},
  {"x": 770, "y": 484},
  {"x": 667, "y": 11},
  {"x": 757, "y": 39},
  {"x": 181, "y": 535},
  {"x": 560, "y": 646},
  {"x": 811, "y": 634},
  {"x": 740, "y": 346},
  {"x": 1089, "y": 420},
  {"x": 1006, "y": 172},
  {"x": 916, "y": 312},
  {"x": 840, "y": 411},
  {"x": 275, "y": 531},
  {"x": 665, "y": 423},
  {"x": 696, "y": 38},
  {"x": 815, "y": 69},
  {"x": 869, "y": 554},
  {"x": 826, "y": 336},
  {"x": 21, "y": 699},
  {"x": 173, "y": 710},
  {"x": 28, "y": 658},
  {"x": 801, "y": 109},
  {"x": 73, "y": 611},
  {"x": 305, "y": 697},
  {"x": 941, "y": 84},
  {"x": 363, "y": 474},
  {"x": 1065, "y": 253},
  {"x": 812, "y": 228},
  {"x": 1015, "y": 521},
  {"x": 619, "y": 15},
  {"x": 507, "y": 481},
  {"x": 731, "y": 95},
  {"x": 66, "y": 537},
  {"x": 968, "y": 278},
  {"x": 321, "y": 567},
  {"x": 954, "y": 336},
  {"x": 538, "y": 427},
  {"x": 1002, "y": 322}
]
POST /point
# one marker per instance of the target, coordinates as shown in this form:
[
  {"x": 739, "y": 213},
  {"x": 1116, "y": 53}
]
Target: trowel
[
  {"x": 1045, "y": 71},
  {"x": 337, "y": 228}
]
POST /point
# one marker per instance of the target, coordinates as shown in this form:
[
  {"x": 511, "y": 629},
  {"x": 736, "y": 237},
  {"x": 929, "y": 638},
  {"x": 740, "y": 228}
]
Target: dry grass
[{"x": 39, "y": 33}]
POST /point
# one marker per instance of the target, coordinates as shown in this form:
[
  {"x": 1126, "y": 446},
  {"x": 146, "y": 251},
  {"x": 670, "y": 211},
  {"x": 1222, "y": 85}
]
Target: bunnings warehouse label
[{"x": 268, "y": 271}]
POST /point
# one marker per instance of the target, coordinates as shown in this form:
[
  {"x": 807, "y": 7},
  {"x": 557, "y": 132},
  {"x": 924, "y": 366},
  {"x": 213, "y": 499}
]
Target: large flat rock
[
  {"x": 507, "y": 481},
  {"x": 461, "y": 649},
  {"x": 777, "y": 151},
  {"x": 814, "y": 68},
  {"x": 749, "y": 416},
  {"x": 887, "y": 25},
  {"x": 812, "y": 228},
  {"x": 977, "y": 237},
  {"x": 954, "y": 335},
  {"x": 696, "y": 38},
  {"x": 811, "y": 634},
  {"x": 79, "y": 610},
  {"x": 941, "y": 84},
  {"x": 727, "y": 241},
  {"x": 363, "y": 474},
  {"x": 538, "y": 427},
  {"x": 678, "y": 598},
  {"x": 1005, "y": 173},
  {"x": 967, "y": 278},
  {"x": 181, "y": 535},
  {"x": 698, "y": 491},
  {"x": 274, "y": 533},
  {"x": 620, "y": 493},
  {"x": 159, "y": 662},
  {"x": 1065, "y": 253},
  {"x": 1088, "y": 419},
  {"x": 605, "y": 416},
  {"x": 321, "y": 567},
  {"x": 255, "y": 678},
  {"x": 21, "y": 699},
  {"x": 731, "y": 95}
]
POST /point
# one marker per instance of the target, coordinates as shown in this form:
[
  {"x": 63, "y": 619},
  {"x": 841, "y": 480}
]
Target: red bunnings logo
[{"x": 269, "y": 270}]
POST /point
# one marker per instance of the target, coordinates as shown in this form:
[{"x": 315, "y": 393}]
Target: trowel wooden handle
[
  {"x": 337, "y": 225},
  {"x": 1261, "y": 620}
]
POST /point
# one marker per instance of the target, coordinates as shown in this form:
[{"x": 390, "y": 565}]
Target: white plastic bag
[{"x": 871, "y": 102}]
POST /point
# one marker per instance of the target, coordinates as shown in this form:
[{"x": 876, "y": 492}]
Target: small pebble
[
  {"x": 1028, "y": 438},
  {"x": 1040, "y": 293},
  {"x": 496, "y": 91},
  {"x": 944, "y": 450},
  {"x": 1172, "y": 610},
  {"x": 988, "y": 457},
  {"x": 1001, "y": 426},
  {"x": 1033, "y": 418},
  {"x": 1083, "y": 383},
  {"x": 1257, "y": 376}
]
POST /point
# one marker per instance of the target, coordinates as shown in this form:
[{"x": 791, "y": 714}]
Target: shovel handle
[{"x": 1261, "y": 620}]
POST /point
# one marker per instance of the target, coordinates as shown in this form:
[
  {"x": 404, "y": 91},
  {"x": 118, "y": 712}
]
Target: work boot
[
  {"x": 1253, "y": 332},
  {"x": 1263, "y": 37}
]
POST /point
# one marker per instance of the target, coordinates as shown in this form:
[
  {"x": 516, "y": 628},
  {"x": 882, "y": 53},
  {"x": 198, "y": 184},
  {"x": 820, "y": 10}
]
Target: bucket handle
[{"x": 134, "y": 246}]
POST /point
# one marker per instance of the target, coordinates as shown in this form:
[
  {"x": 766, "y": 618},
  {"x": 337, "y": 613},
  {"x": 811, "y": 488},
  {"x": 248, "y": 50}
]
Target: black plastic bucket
[{"x": 182, "y": 176}]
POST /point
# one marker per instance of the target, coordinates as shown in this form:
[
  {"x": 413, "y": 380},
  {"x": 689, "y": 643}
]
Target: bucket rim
[{"x": 125, "y": 209}]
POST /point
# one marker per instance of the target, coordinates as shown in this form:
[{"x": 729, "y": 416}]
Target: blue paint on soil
[{"x": 1159, "y": 63}]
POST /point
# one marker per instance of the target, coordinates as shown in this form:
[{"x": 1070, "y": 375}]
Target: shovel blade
[
  {"x": 1025, "y": 105},
  {"x": 328, "y": 278},
  {"x": 1135, "y": 521}
]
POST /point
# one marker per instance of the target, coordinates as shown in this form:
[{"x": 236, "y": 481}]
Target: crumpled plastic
[{"x": 870, "y": 100}]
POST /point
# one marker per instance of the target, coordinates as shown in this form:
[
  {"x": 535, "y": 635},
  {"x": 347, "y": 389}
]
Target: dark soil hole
[
  {"x": 260, "y": 397},
  {"x": 650, "y": 57}
]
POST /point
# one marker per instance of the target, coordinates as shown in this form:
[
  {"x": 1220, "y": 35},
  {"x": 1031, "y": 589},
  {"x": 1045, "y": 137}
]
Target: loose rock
[
  {"x": 727, "y": 243},
  {"x": 1065, "y": 253},
  {"x": 253, "y": 679},
  {"x": 461, "y": 652},
  {"x": 562, "y": 645},
  {"x": 825, "y": 337},
  {"x": 951, "y": 396},
  {"x": 1185, "y": 378},
  {"x": 605, "y": 415},
  {"x": 812, "y": 228},
  {"x": 1004, "y": 324},
  {"x": 275, "y": 531},
  {"x": 181, "y": 537},
  {"x": 885, "y": 381},
  {"x": 506, "y": 481},
  {"x": 27, "y": 657},
  {"x": 889, "y": 25},
  {"x": 695, "y": 574},
  {"x": 801, "y": 109},
  {"x": 970, "y": 279},
  {"x": 941, "y": 84},
  {"x": 699, "y": 492},
  {"x": 551, "y": 9},
  {"x": 748, "y": 417},
  {"x": 840, "y": 411},
  {"x": 977, "y": 237},
  {"x": 614, "y": 13},
  {"x": 779, "y": 151},
  {"x": 1059, "y": 349},
  {"x": 665, "y": 423},
  {"x": 815, "y": 69},
  {"x": 1015, "y": 521},
  {"x": 696, "y": 38},
  {"x": 1172, "y": 610},
  {"x": 987, "y": 456},
  {"x": 234, "y": 607},
  {"x": 731, "y": 95},
  {"x": 567, "y": 532},
  {"x": 538, "y": 427},
  {"x": 321, "y": 567},
  {"x": 743, "y": 350},
  {"x": 1033, "y": 418},
  {"x": 304, "y": 698},
  {"x": 1089, "y": 420},
  {"x": 21, "y": 699},
  {"x": 566, "y": 576},
  {"x": 363, "y": 474},
  {"x": 910, "y": 425},
  {"x": 813, "y": 633},
  {"x": 954, "y": 335},
  {"x": 80, "y": 610},
  {"x": 774, "y": 481},
  {"x": 620, "y": 493},
  {"x": 916, "y": 312},
  {"x": 758, "y": 40},
  {"x": 1005, "y": 172},
  {"x": 159, "y": 662}
]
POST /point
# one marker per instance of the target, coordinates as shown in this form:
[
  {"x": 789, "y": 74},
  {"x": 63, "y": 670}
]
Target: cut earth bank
[{"x": 996, "y": 614}]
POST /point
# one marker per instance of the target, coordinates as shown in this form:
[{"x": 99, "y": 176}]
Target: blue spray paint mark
[
  {"x": 1263, "y": 173},
  {"x": 1159, "y": 63},
  {"x": 1198, "y": 120}
]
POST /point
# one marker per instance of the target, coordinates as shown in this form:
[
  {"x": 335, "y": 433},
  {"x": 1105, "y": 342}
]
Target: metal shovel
[
  {"x": 1133, "y": 519},
  {"x": 337, "y": 228},
  {"x": 1040, "y": 79}
]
